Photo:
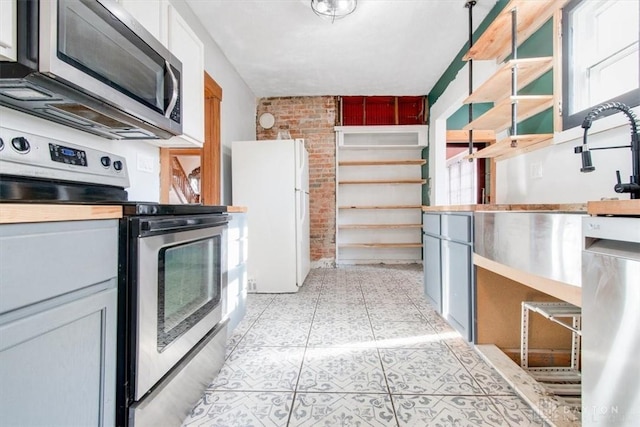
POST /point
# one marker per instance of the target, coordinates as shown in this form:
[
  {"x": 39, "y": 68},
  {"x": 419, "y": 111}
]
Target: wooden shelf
[
  {"x": 478, "y": 136},
  {"x": 382, "y": 162},
  {"x": 385, "y": 181},
  {"x": 498, "y": 86},
  {"x": 495, "y": 42},
  {"x": 503, "y": 147},
  {"x": 377, "y": 226},
  {"x": 382, "y": 207},
  {"x": 499, "y": 117},
  {"x": 380, "y": 245}
]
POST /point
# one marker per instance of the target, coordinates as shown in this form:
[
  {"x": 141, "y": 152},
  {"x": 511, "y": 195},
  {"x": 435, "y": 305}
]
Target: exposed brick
[{"x": 313, "y": 119}]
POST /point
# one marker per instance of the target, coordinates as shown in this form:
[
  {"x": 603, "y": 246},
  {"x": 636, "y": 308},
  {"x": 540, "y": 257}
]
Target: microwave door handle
[{"x": 174, "y": 90}]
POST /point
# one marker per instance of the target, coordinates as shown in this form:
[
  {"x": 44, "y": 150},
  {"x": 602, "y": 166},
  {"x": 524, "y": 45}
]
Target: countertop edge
[
  {"x": 15, "y": 213},
  {"x": 614, "y": 207},
  {"x": 551, "y": 207},
  {"x": 237, "y": 209}
]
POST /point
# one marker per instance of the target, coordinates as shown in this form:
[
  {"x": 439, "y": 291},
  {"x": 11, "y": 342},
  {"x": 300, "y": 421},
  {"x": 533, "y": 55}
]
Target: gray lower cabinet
[
  {"x": 237, "y": 269},
  {"x": 448, "y": 267},
  {"x": 433, "y": 270},
  {"x": 458, "y": 286},
  {"x": 58, "y": 283}
]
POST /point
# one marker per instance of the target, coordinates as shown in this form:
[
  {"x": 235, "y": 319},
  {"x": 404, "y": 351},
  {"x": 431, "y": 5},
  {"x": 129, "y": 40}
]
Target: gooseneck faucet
[{"x": 633, "y": 186}]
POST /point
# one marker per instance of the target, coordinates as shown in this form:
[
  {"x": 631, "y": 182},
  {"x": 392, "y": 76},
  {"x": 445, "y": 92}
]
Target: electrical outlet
[
  {"x": 535, "y": 171},
  {"x": 251, "y": 284},
  {"x": 145, "y": 163}
]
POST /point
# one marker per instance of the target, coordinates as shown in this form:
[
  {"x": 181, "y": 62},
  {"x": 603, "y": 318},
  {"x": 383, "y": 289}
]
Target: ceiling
[{"x": 386, "y": 47}]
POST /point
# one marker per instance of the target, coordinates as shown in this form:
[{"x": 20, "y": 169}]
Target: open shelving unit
[
  {"x": 379, "y": 194},
  {"x": 517, "y": 21}
]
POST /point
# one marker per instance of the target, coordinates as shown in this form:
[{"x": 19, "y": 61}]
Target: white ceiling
[{"x": 386, "y": 47}]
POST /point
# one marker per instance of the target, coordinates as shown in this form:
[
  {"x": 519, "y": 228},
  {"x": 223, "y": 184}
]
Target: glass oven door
[
  {"x": 189, "y": 277},
  {"x": 180, "y": 290}
]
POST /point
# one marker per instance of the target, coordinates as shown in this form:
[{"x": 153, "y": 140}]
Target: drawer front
[
  {"x": 457, "y": 227},
  {"x": 431, "y": 223},
  {"x": 45, "y": 260}
]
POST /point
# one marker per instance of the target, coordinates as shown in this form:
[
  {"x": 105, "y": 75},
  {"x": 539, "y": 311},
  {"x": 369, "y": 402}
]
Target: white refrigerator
[{"x": 271, "y": 179}]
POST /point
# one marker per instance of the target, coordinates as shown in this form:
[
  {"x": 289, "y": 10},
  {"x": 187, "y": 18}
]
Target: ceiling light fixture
[{"x": 333, "y": 9}]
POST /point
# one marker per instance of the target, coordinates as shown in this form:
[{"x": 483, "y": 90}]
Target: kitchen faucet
[{"x": 633, "y": 186}]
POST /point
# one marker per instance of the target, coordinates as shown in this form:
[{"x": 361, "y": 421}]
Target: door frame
[{"x": 210, "y": 153}]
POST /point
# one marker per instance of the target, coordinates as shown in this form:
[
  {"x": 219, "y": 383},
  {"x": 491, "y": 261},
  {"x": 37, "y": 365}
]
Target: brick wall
[{"x": 313, "y": 119}]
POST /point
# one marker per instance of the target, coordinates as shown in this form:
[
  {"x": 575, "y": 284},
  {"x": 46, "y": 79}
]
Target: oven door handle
[{"x": 149, "y": 227}]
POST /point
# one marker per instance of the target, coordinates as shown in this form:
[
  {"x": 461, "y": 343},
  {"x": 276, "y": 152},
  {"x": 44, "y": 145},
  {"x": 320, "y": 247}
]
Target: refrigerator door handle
[{"x": 300, "y": 161}]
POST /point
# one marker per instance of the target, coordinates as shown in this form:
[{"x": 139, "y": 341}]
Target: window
[
  {"x": 601, "y": 59},
  {"x": 462, "y": 180}
]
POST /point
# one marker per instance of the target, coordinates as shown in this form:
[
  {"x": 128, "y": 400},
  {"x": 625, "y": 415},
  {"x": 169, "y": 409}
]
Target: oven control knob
[
  {"x": 1, "y": 144},
  {"x": 117, "y": 165},
  {"x": 106, "y": 161},
  {"x": 20, "y": 144}
]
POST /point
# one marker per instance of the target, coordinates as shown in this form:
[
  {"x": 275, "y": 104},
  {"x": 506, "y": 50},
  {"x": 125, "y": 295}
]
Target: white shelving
[{"x": 379, "y": 193}]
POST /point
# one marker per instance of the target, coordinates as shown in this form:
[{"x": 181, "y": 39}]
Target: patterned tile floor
[{"x": 356, "y": 346}]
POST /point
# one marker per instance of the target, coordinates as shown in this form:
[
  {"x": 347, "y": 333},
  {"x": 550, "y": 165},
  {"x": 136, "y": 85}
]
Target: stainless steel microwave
[{"x": 90, "y": 65}]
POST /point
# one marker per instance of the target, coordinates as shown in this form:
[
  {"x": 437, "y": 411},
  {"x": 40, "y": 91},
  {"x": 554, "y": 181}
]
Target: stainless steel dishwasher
[{"x": 611, "y": 321}]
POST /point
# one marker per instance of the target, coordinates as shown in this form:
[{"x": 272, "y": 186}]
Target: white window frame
[
  {"x": 458, "y": 168},
  {"x": 577, "y": 72}
]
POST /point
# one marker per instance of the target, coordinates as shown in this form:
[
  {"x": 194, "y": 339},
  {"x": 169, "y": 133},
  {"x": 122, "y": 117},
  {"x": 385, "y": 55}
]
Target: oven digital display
[{"x": 71, "y": 156}]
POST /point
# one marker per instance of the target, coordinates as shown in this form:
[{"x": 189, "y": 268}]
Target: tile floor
[{"x": 356, "y": 346}]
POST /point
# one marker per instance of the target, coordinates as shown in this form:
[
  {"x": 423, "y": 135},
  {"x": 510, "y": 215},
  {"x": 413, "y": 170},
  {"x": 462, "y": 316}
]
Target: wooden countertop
[
  {"x": 567, "y": 207},
  {"x": 12, "y": 213},
  {"x": 236, "y": 209},
  {"x": 614, "y": 207}
]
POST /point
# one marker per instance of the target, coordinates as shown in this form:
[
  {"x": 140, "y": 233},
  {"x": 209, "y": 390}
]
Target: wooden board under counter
[{"x": 14, "y": 213}]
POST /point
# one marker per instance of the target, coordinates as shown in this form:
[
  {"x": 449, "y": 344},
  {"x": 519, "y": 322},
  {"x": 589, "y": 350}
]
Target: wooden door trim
[{"x": 210, "y": 154}]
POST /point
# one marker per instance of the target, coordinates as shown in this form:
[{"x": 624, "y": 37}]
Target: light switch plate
[
  {"x": 536, "y": 170},
  {"x": 145, "y": 163}
]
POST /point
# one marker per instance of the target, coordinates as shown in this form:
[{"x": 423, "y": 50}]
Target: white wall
[
  {"x": 144, "y": 186},
  {"x": 238, "y": 109},
  {"x": 561, "y": 180}
]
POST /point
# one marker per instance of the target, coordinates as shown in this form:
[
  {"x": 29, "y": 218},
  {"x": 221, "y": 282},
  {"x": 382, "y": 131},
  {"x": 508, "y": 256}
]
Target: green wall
[{"x": 538, "y": 44}]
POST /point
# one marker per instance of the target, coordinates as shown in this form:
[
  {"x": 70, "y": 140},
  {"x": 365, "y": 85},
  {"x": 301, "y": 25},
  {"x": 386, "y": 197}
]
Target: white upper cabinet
[
  {"x": 189, "y": 49},
  {"x": 163, "y": 21},
  {"x": 151, "y": 14},
  {"x": 8, "y": 51}
]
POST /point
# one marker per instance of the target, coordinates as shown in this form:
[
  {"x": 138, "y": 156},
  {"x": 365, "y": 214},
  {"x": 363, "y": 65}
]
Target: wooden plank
[
  {"x": 11, "y": 213},
  {"x": 382, "y": 207},
  {"x": 384, "y": 181},
  {"x": 503, "y": 147},
  {"x": 526, "y": 149},
  {"x": 380, "y": 245},
  {"x": 382, "y": 162},
  {"x": 552, "y": 409},
  {"x": 478, "y": 135},
  {"x": 499, "y": 117},
  {"x": 495, "y": 42},
  {"x": 498, "y": 311},
  {"x": 629, "y": 207},
  {"x": 498, "y": 86},
  {"x": 559, "y": 290},
  {"x": 236, "y": 209},
  {"x": 377, "y": 226}
]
